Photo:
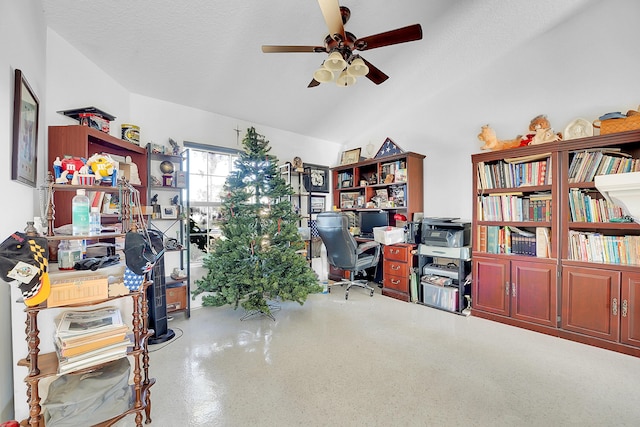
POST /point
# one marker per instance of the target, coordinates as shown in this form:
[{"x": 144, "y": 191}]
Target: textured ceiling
[{"x": 207, "y": 54}]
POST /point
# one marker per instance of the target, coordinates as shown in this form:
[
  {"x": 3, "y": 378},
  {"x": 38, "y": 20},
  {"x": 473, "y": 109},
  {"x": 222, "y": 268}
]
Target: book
[
  {"x": 97, "y": 344},
  {"x": 77, "y": 340},
  {"x": 107, "y": 354},
  {"x": 482, "y": 238},
  {"x": 493, "y": 244},
  {"x": 543, "y": 242}
]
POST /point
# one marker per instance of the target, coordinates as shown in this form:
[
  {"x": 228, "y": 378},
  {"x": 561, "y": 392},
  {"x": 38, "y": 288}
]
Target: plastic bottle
[
  {"x": 80, "y": 214},
  {"x": 94, "y": 221},
  {"x": 69, "y": 253}
]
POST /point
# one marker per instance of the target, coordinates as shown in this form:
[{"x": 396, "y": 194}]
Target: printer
[{"x": 446, "y": 232}]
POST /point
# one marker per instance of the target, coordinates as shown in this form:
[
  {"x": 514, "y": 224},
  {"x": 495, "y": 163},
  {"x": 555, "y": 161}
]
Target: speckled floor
[{"x": 375, "y": 361}]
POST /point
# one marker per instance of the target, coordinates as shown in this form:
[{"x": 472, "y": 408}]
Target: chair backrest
[{"x": 333, "y": 228}]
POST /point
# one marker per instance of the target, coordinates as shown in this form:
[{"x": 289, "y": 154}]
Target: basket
[{"x": 618, "y": 125}]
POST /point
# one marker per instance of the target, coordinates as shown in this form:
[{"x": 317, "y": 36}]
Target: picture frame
[
  {"x": 350, "y": 156},
  {"x": 26, "y": 113},
  {"x": 317, "y": 204},
  {"x": 317, "y": 178},
  {"x": 168, "y": 212},
  {"x": 349, "y": 200}
]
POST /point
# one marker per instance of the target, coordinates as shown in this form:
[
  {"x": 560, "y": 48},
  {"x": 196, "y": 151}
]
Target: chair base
[{"x": 359, "y": 283}]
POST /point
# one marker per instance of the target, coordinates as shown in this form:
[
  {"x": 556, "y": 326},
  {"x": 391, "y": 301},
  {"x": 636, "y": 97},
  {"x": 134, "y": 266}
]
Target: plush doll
[
  {"x": 491, "y": 142},
  {"x": 102, "y": 165},
  {"x": 539, "y": 132}
]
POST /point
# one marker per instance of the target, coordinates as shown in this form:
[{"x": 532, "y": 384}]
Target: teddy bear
[{"x": 540, "y": 131}]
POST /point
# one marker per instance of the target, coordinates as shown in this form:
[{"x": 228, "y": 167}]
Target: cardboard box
[{"x": 388, "y": 235}]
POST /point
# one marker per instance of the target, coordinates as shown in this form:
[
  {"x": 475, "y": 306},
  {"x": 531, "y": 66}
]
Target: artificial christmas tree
[{"x": 257, "y": 259}]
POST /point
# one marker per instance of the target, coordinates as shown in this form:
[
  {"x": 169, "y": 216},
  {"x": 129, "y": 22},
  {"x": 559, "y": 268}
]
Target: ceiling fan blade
[
  {"x": 375, "y": 75},
  {"x": 314, "y": 83},
  {"x": 333, "y": 17},
  {"x": 287, "y": 49},
  {"x": 400, "y": 35}
]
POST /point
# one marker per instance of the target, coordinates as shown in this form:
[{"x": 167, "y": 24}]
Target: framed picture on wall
[
  {"x": 316, "y": 180},
  {"x": 26, "y": 108},
  {"x": 351, "y": 156},
  {"x": 317, "y": 204}
]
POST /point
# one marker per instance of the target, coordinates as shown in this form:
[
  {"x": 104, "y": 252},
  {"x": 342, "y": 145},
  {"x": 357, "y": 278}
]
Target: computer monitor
[{"x": 371, "y": 219}]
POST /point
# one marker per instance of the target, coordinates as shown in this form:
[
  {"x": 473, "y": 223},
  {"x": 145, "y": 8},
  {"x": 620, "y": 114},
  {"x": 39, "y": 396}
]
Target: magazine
[{"x": 75, "y": 323}]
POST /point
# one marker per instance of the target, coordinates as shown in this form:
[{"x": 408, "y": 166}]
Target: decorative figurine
[{"x": 166, "y": 167}]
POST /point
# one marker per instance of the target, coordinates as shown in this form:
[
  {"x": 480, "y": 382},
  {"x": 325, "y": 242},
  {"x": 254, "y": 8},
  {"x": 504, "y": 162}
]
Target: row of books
[
  {"x": 345, "y": 180},
  {"x": 585, "y": 165},
  {"x": 515, "y": 207},
  {"x": 393, "y": 172},
  {"x": 495, "y": 239},
  {"x": 596, "y": 247},
  {"x": 584, "y": 208},
  {"x": 513, "y": 175},
  {"x": 87, "y": 338}
]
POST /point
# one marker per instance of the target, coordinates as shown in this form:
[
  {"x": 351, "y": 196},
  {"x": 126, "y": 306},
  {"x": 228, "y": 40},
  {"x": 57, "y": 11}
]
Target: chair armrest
[{"x": 363, "y": 247}]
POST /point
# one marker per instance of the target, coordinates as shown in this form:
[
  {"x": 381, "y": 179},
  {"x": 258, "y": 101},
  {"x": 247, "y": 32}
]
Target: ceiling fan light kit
[
  {"x": 345, "y": 79},
  {"x": 335, "y": 62},
  {"x": 323, "y": 75},
  {"x": 358, "y": 68},
  {"x": 340, "y": 46}
]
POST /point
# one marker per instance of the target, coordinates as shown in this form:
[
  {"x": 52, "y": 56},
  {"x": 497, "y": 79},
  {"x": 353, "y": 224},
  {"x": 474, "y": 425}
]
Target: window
[{"x": 209, "y": 167}]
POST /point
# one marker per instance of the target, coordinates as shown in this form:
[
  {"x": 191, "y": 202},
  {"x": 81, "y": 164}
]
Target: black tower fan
[{"x": 157, "y": 298}]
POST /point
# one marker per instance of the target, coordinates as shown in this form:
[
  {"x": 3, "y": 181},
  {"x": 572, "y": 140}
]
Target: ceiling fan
[{"x": 341, "y": 46}]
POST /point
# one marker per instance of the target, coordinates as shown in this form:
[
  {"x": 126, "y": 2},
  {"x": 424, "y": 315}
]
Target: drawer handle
[
  {"x": 395, "y": 282},
  {"x": 394, "y": 251},
  {"x": 395, "y": 267}
]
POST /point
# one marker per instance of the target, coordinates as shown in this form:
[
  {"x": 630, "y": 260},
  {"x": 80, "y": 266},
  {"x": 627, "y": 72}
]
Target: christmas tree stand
[{"x": 272, "y": 307}]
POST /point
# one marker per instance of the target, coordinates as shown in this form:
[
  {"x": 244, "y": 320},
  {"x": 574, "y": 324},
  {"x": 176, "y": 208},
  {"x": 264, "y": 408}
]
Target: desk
[{"x": 393, "y": 271}]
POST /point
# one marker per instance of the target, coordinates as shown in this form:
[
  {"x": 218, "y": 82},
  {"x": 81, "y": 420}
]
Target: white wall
[
  {"x": 23, "y": 36},
  {"x": 584, "y": 68}
]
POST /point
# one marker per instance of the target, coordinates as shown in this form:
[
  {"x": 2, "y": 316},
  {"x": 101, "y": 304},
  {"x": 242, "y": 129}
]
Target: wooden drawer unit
[
  {"x": 397, "y": 268},
  {"x": 176, "y": 298}
]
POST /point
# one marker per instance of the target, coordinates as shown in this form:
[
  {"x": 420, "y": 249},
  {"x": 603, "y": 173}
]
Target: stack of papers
[{"x": 87, "y": 338}]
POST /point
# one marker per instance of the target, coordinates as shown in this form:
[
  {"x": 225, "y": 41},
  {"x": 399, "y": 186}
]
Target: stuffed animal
[
  {"x": 539, "y": 132},
  {"x": 102, "y": 165},
  {"x": 491, "y": 142}
]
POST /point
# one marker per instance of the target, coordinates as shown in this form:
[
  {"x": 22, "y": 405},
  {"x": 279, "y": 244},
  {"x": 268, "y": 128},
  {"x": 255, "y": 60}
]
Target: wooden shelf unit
[
  {"x": 349, "y": 180},
  {"x": 594, "y": 300},
  {"x": 83, "y": 141},
  {"x": 45, "y": 365}
]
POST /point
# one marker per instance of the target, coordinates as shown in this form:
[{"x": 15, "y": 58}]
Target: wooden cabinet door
[
  {"x": 630, "y": 309},
  {"x": 590, "y": 302},
  {"x": 490, "y": 284},
  {"x": 533, "y": 292}
]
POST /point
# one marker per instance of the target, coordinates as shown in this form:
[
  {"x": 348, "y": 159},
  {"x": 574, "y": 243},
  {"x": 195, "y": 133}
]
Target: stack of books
[{"x": 87, "y": 338}]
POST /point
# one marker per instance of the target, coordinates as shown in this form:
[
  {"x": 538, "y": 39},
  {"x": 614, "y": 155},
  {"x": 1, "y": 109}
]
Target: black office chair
[{"x": 343, "y": 251}]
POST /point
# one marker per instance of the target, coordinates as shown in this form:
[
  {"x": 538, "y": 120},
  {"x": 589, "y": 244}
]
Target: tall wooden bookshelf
[{"x": 579, "y": 278}]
